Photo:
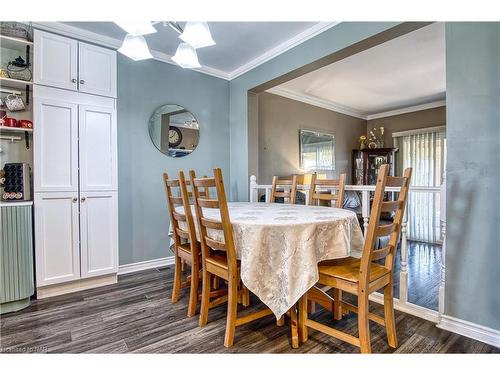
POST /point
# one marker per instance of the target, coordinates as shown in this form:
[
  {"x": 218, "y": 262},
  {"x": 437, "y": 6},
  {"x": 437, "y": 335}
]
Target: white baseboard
[
  {"x": 145, "y": 265},
  {"x": 474, "y": 331},
  {"x": 75, "y": 286},
  {"x": 409, "y": 308}
]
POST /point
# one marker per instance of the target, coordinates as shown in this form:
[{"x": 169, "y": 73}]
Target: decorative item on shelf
[
  {"x": 19, "y": 69},
  {"x": 3, "y": 115},
  {"x": 362, "y": 142},
  {"x": 25, "y": 124},
  {"x": 4, "y": 73},
  {"x": 17, "y": 181},
  {"x": 376, "y": 138},
  {"x": 9, "y": 122},
  {"x": 16, "y": 30},
  {"x": 14, "y": 102}
]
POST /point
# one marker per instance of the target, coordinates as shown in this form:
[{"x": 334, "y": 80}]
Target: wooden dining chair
[
  {"x": 186, "y": 248},
  {"x": 219, "y": 258},
  {"x": 317, "y": 197},
  {"x": 289, "y": 192},
  {"x": 362, "y": 277}
]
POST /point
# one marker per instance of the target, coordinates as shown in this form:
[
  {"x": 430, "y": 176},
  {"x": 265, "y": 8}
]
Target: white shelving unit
[{"x": 8, "y": 129}]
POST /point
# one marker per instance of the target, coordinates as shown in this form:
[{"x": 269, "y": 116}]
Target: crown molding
[
  {"x": 105, "y": 41},
  {"x": 332, "y": 106},
  {"x": 281, "y": 48},
  {"x": 317, "y": 102},
  {"x": 400, "y": 111}
]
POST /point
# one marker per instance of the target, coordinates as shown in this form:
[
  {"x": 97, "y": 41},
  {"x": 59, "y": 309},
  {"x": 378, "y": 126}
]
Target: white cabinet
[
  {"x": 97, "y": 132},
  {"x": 55, "y": 145},
  {"x": 99, "y": 233},
  {"x": 97, "y": 70},
  {"x": 75, "y": 184},
  {"x": 69, "y": 64},
  {"x": 55, "y": 61},
  {"x": 56, "y": 238}
]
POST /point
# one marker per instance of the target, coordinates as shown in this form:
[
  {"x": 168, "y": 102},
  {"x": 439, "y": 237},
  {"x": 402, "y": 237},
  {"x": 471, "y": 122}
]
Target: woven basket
[
  {"x": 16, "y": 30},
  {"x": 15, "y": 72}
]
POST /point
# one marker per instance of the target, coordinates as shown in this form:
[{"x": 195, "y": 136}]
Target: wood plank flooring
[{"x": 136, "y": 315}]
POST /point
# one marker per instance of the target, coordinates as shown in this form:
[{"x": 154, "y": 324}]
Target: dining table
[{"x": 280, "y": 245}]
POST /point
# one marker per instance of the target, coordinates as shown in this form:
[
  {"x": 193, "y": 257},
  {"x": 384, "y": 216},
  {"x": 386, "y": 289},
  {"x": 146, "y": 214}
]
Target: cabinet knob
[
  {"x": 83, "y": 199},
  {"x": 82, "y": 82},
  {"x": 73, "y": 80},
  {"x": 75, "y": 199}
]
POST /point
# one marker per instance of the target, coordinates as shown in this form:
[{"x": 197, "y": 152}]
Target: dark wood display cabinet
[{"x": 366, "y": 163}]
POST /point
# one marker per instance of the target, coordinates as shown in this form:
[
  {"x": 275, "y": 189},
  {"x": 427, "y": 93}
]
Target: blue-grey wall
[
  {"x": 473, "y": 179},
  {"x": 142, "y": 87},
  {"x": 330, "y": 41}
]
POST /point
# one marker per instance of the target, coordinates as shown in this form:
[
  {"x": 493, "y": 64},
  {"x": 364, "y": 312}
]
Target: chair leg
[
  {"x": 232, "y": 307},
  {"x": 303, "y": 334},
  {"x": 177, "y": 280},
  {"x": 390, "y": 324},
  {"x": 337, "y": 304},
  {"x": 363, "y": 322},
  {"x": 193, "y": 294},
  {"x": 205, "y": 298},
  {"x": 215, "y": 284}
]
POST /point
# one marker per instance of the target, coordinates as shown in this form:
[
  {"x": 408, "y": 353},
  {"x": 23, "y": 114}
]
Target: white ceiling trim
[
  {"x": 327, "y": 104},
  {"x": 318, "y": 102},
  {"x": 89, "y": 36},
  {"x": 400, "y": 111},
  {"x": 105, "y": 41},
  {"x": 283, "y": 47}
]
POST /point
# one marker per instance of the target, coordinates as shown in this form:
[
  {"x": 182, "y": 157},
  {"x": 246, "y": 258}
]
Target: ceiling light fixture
[
  {"x": 135, "y": 47},
  {"x": 186, "y": 56},
  {"x": 194, "y": 35},
  {"x": 137, "y": 28},
  {"x": 197, "y": 34}
]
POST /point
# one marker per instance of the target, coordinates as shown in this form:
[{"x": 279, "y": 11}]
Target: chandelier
[{"x": 195, "y": 35}]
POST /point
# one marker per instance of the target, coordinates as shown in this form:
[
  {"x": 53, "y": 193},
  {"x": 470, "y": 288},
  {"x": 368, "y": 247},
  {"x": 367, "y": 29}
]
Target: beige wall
[
  {"x": 280, "y": 120},
  {"x": 409, "y": 121}
]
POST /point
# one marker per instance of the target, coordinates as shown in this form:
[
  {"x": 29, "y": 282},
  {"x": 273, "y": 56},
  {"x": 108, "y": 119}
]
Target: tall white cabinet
[{"x": 75, "y": 165}]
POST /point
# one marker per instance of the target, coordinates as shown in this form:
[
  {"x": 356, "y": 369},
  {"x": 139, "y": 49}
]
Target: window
[
  {"x": 316, "y": 151},
  {"x": 425, "y": 151}
]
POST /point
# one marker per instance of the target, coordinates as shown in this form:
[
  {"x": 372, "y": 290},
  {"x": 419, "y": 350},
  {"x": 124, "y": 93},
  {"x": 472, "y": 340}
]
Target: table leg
[{"x": 294, "y": 327}]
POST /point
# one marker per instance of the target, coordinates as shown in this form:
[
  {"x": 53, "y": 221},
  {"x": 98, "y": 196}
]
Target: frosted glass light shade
[
  {"x": 137, "y": 27},
  {"x": 186, "y": 56},
  {"x": 135, "y": 47},
  {"x": 197, "y": 34}
]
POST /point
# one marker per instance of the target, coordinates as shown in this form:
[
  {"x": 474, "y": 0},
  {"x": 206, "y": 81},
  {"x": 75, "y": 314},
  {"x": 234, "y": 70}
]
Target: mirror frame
[
  {"x": 150, "y": 127},
  {"x": 318, "y": 133}
]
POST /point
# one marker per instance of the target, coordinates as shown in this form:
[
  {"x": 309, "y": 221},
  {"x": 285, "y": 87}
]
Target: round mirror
[{"x": 174, "y": 130}]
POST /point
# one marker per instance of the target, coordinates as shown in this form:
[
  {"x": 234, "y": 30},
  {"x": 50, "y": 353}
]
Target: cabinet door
[
  {"x": 99, "y": 233},
  {"x": 55, "y": 61},
  {"x": 56, "y": 238},
  {"x": 97, "y": 131},
  {"x": 97, "y": 70},
  {"x": 55, "y": 145}
]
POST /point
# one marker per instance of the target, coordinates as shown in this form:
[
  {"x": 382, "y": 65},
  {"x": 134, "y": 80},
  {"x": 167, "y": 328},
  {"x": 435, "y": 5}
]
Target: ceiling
[
  {"x": 240, "y": 45},
  {"x": 403, "y": 72}
]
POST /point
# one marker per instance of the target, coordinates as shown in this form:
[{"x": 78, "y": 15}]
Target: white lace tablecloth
[{"x": 280, "y": 246}]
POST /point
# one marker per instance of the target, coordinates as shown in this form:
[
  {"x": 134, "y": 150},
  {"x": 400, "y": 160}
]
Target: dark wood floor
[
  {"x": 424, "y": 268},
  {"x": 136, "y": 315}
]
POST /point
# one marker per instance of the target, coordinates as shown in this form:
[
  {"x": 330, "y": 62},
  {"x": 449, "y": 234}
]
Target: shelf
[
  {"x": 8, "y": 129},
  {"x": 14, "y": 83},
  {"x": 13, "y": 43}
]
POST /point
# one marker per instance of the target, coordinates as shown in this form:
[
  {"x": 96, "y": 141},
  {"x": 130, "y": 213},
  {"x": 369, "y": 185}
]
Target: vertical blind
[{"x": 425, "y": 152}]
